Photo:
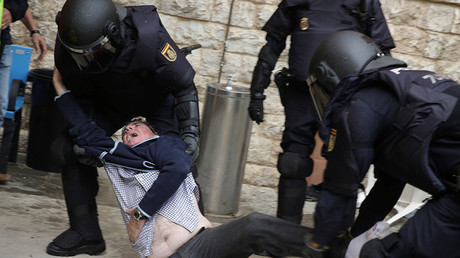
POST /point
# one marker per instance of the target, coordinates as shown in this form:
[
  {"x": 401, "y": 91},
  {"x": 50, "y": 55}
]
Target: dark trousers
[
  {"x": 301, "y": 122},
  {"x": 434, "y": 231},
  {"x": 300, "y": 126},
  {"x": 255, "y": 233}
]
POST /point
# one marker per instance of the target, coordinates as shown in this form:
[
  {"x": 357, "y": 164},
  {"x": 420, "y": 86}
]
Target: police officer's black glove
[
  {"x": 256, "y": 109},
  {"x": 193, "y": 149},
  {"x": 87, "y": 160}
]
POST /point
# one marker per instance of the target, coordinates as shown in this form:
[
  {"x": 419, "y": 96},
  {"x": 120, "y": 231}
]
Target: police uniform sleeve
[
  {"x": 277, "y": 28},
  {"x": 378, "y": 29},
  {"x": 176, "y": 74}
]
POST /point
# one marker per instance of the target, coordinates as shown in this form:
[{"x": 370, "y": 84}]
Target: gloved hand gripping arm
[
  {"x": 260, "y": 81},
  {"x": 186, "y": 107}
]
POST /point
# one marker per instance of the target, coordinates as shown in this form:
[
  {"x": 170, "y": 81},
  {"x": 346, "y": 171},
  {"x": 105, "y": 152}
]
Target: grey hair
[{"x": 139, "y": 119}]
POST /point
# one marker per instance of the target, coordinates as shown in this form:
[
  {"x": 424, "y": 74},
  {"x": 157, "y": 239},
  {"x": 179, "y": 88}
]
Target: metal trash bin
[
  {"x": 45, "y": 122},
  {"x": 225, "y": 134}
]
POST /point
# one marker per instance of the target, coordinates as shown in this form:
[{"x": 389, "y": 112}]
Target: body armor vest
[
  {"x": 402, "y": 150},
  {"x": 139, "y": 53},
  {"x": 317, "y": 20}
]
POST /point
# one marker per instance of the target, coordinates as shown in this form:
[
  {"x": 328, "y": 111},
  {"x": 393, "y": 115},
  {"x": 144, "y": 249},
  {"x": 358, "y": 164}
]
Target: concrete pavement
[{"x": 33, "y": 212}]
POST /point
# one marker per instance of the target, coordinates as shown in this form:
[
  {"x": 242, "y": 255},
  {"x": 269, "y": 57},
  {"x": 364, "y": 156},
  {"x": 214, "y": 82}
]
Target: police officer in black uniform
[
  {"x": 406, "y": 122},
  {"x": 308, "y": 22},
  {"x": 119, "y": 62}
]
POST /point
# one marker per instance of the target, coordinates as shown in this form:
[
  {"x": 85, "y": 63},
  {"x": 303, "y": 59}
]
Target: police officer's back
[{"x": 374, "y": 110}]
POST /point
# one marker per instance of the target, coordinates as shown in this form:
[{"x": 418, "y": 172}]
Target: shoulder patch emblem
[
  {"x": 169, "y": 53},
  {"x": 332, "y": 137}
]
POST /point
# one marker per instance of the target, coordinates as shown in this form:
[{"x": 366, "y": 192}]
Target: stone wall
[{"x": 427, "y": 36}]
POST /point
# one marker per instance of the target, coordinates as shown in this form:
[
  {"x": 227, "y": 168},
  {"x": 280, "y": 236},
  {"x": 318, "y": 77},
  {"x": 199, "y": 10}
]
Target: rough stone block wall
[{"x": 427, "y": 36}]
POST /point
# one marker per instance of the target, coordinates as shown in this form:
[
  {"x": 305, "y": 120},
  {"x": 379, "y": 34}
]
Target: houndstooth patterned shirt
[{"x": 130, "y": 186}]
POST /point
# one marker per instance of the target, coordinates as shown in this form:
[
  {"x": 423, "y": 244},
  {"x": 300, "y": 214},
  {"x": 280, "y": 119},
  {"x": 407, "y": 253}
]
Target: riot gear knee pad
[{"x": 293, "y": 165}]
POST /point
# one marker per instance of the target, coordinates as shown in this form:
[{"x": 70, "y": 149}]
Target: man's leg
[
  {"x": 298, "y": 142},
  {"x": 5, "y": 67},
  {"x": 255, "y": 233}
]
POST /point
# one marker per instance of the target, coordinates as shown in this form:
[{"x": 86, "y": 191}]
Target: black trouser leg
[
  {"x": 253, "y": 234},
  {"x": 298, "y": 137}
]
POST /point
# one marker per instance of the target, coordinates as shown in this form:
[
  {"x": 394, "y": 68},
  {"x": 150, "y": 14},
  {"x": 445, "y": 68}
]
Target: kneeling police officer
[{"x": 406, "y": 122}]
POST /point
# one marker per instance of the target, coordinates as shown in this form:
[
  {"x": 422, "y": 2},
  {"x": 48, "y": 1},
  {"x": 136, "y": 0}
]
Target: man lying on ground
[{"x": 136, "y": 168}]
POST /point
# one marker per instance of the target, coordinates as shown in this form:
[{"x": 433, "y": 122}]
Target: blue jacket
[{"x": 164, "y": 153}]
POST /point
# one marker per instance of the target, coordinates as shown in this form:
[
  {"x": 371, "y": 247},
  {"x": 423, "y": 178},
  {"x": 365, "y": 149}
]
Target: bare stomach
[{"x": 169, "y": 236}]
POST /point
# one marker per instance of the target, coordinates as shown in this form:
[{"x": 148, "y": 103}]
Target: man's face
[{"x": 136, "y": 132}]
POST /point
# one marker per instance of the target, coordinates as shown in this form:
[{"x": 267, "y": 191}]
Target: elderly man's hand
[{"x": 134, "y": 226}]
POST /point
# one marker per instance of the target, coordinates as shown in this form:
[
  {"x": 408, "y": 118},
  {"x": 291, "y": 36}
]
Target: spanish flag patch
[
  {"x": 169, "y": 53},
  {"x": 332, "y": 137}
]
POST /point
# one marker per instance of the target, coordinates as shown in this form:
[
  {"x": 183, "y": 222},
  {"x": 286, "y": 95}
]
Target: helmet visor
[
  {"x": 96, "y": 59},
  {"x": 319, "y": 95}
]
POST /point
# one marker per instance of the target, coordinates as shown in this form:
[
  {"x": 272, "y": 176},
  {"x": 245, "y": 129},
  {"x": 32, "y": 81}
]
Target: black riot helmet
[
  {"x": 342, "y": 54},
  {"x": 90, "y": 30}
]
